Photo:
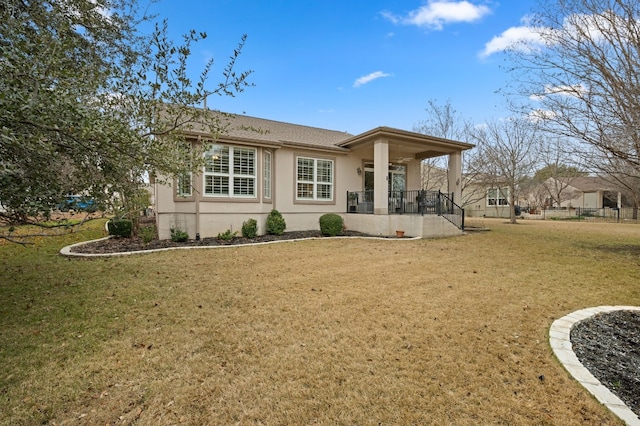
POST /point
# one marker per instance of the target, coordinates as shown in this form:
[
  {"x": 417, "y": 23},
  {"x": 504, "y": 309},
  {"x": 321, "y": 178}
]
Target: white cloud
[
  {"x": 522, "y": 37},
  {"x": 574, "y": 90},
  {"x": 369, "y": 78},
  {"x": 436, "y": 13},
  {"x": 541, "y": 115}
]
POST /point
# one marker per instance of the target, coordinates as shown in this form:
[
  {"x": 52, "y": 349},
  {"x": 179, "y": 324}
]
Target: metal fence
[
  {"x": 417, "y": 202},
  {"x": 607, "y": 214}
]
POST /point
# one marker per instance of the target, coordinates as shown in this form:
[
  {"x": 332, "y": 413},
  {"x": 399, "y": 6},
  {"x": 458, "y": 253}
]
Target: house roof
[
  {"x": 423, "y": 146},
  {"x": 588, "y": 183},
  {"x": 263, "y": 131}
]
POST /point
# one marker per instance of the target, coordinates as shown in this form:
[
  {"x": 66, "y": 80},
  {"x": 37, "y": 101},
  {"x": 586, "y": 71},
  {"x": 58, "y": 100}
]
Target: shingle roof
[
  {"x": 263, "y": 131},
  {"x": 259, "y": 129},
  {"x": 588, "y": 183}
]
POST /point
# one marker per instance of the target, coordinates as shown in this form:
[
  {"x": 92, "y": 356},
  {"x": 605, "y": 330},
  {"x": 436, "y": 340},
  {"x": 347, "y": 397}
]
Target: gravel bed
[{"x": 608, "y": 345}]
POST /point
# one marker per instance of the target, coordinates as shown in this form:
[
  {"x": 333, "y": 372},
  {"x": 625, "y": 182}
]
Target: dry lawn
[{"x": 341, "y": 331}]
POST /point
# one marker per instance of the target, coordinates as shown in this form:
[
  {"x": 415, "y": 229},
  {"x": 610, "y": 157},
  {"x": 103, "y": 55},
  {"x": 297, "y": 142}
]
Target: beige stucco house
[
  {"x": 373, "y": 180},
  {"x": 585, "y": 192}
]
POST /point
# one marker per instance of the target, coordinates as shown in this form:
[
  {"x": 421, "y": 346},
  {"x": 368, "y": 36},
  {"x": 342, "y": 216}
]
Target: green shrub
[
  {"x": 120, "y": 227},
  {"x": 331, "y": 224},
  {"x": 148, "y": 233},
  {"x": 178, "y": 235},
  {"x": 250, "y": 228},
  {"x": 227, "y": 235},
  {"x": 275, "y": 223}
]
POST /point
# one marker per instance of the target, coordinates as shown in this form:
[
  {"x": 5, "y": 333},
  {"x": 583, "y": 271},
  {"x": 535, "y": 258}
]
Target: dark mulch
[
  {"x": 608, "y": 345},
  {"x": 119, "y": 245}
]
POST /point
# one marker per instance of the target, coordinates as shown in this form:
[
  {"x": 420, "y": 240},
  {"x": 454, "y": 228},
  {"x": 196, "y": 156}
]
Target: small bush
[
  {"x": 250, "y": 228},
  {"x": 275, "y": 223},
  {"x": 178, "y": 235},
  {"x": 227, "y": 235},
  {"x": 120, "y": 227},
  {"x": 148, "y": 233},
  {"x": 331, "y": 224}
]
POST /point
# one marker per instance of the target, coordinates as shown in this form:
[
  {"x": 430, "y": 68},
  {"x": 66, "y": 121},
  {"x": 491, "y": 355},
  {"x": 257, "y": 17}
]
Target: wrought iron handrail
[
  {"x": 451, "y": 211},
  {"x": 410, "y": 202}
]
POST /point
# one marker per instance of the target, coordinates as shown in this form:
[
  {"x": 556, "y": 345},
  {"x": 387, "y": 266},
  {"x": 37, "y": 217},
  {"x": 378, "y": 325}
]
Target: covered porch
[{"x": 391, "y": 175}]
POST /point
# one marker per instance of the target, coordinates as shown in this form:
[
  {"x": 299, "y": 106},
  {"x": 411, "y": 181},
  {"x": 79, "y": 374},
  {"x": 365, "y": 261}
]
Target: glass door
[{"x": 368, "y": 182}]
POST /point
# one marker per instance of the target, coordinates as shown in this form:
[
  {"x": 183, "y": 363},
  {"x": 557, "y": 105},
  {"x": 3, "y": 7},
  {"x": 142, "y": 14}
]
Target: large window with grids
[
  {"x": 314, "y": 179},
  {"x": 497, "y": 196},
  {"x": 230, "y": 171}
]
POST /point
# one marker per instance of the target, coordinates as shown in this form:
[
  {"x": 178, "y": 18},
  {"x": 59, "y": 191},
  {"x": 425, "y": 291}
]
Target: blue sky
[{"x": 356, "y": 65}]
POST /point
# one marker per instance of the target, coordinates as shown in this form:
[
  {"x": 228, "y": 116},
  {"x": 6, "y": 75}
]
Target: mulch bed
[
  {"x": 608, "y": 345},
  {"x": 119, "y": 245}
]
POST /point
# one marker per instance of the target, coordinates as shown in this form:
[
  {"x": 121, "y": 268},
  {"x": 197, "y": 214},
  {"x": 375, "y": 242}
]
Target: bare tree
[
  {"x": 581, "y": 78},
  {"x": 558, "y": 170},
  {"x": 510, "y": 150},
  {"x": 444, "y": 121}
]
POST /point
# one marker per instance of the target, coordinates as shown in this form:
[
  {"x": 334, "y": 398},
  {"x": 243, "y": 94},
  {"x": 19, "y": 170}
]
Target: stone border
[
  {"x": 560, "y": 341},
  {"x": 66, "y": 251}
]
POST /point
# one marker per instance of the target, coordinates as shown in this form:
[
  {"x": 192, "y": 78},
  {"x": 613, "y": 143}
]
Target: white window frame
[
  {"x": 267, "y": 174},
  {"x": 314, "y": 180},
  {"x": 224, "y": 162},
  {"x": 500, "y": 197}
]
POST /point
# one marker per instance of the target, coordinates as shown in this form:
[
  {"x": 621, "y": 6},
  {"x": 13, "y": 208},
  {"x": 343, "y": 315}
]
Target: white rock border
[
  {"x": 560, "y": 341},
  {"x": 66, "y": 251}
]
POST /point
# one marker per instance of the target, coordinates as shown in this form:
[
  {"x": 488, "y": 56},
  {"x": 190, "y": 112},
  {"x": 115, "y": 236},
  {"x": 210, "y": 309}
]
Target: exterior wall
[
  {"x": 481, "y": 209},
  {"x": 427, "y": 226},
  {"x": 209, "y": 216}
]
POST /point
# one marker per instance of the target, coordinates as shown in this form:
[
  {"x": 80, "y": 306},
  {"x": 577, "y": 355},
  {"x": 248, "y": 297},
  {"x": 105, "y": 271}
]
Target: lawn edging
[
  {"x": 560, "y": 341},
  {"x": 66, "y": 251}
]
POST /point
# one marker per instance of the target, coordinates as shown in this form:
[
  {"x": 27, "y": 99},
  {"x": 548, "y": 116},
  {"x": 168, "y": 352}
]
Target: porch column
[
  {"x": 455, "y": 176},
  {"x": 380, "y": 177}
]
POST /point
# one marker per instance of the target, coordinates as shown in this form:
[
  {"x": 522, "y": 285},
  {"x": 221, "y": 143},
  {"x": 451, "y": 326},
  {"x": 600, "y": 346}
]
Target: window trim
[
  {"x": 178, "y": 195},
  {"x": 267, "y": 175},
  {"x": 231, "y": 175},
  {"x": 315, "y": 182},
  {"x": 502, "y": 194}
]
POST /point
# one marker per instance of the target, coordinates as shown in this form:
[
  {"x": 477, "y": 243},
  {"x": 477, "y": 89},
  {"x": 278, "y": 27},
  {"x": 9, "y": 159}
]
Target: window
[
  {"x": 267, "y": 174},
  {"x": 314, "y": 179},
  {"x": 184, "y": 185},
  {"x": 497, "y": 197},
  {"x": 184, "y": 180},
  {"x": 230, "y": 172}
]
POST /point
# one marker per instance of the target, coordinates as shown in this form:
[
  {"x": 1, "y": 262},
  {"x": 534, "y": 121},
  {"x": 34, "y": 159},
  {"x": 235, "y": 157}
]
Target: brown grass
[{"x": 451, "y": 331}]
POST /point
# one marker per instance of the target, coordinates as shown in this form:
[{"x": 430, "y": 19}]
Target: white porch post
[
  {"x": 455, "y": 176},
  {"x": 380, "y": 176}
]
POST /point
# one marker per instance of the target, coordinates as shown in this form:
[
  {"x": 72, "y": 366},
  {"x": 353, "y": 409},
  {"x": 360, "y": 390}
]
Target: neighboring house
[
  {"x": 485, "y": 195},
  {"x": 492, "y": 201},
  {"x": 587, "y": 192},
  {"x": 304, "y": 172},
  {"x": 583, "y": 192}
]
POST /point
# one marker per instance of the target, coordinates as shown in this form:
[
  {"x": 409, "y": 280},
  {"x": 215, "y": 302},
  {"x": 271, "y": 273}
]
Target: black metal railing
[
  {"x": 451, "y": 211},
  {"x": 360, "y": 202},
  {"x": 410, "y": 202}
]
